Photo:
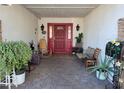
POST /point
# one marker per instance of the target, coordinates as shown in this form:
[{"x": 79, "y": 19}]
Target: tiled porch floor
[{"x": 61, "y": 72}]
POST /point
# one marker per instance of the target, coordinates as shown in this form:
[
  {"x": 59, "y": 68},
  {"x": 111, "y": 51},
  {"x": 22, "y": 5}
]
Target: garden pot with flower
[{"x": 103, "y": 68}]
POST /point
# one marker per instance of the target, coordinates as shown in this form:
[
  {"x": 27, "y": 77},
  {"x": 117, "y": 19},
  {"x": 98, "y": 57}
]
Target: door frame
[{"x": 52, "y": 24}]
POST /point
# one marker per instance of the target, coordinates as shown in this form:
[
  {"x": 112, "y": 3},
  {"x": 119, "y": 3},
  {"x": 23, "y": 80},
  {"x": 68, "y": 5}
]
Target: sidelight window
[
  {"x": 69, "y": 32},
  {"x": 50, "y": 32}
]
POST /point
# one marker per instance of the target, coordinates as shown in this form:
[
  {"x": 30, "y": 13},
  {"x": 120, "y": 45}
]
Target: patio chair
[{"x": 92, "y": 61}]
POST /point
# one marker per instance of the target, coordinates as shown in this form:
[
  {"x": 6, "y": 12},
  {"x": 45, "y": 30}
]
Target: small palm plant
[{"x": 104, "y": 68}]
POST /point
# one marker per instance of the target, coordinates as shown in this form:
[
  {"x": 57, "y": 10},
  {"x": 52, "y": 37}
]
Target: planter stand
[
  {"x": 13, "y": 78},
  {"x": 7, "y": 80}
]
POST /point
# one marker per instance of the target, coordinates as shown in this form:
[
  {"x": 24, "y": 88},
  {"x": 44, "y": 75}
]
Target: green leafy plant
[
  {"x": 6, "y": 59},
  {"x": 22, "y": 53},
  {"x": 104, "y": 66},
  {"x": 113, "y": 51},
  {"x": 2, "y": 61},
  {"x": 79, "y": 38},
  {"x": 9, "y": 56},
  {"x": 13, "y": 54},
  {"x": 113, "y": 48}
]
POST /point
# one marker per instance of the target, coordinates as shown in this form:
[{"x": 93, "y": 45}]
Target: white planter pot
[
  {"x": 19, "y": 79},
  {"x": 101, "y": 76}
]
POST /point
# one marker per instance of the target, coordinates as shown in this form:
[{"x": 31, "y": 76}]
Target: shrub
[
  {"x": 13, "y": 54},
  {"x": 22, "y": 53}
]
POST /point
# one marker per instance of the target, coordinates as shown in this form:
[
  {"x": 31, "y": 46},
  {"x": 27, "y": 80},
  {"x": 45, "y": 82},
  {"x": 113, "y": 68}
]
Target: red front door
[{"x": 60, "y": 37}]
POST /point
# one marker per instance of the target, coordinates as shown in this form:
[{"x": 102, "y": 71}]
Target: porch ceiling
[{"x": 60, "y": 10}]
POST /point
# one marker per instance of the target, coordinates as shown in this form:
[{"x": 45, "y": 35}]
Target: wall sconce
[
  {"x": 77, "y": 27},
  {"x": 42, "y": 27}
]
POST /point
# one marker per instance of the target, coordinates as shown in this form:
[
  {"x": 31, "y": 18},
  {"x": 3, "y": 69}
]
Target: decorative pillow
[
  {"x": 89, "y": 52},
  {"x": 86, "y": 56},
  {"x": 92, "y": 50}
]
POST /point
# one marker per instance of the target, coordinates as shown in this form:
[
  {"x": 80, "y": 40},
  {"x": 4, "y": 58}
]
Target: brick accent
[{"x": 121, "y": 29}]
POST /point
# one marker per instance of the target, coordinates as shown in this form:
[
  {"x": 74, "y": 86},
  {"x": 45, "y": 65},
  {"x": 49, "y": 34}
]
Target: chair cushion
[
  {"x": 79, "y": 55},
  {"x": 86, "y": 56},
  {"x": 92, "y": 50},
  {"x": 89, "y": 52},
  {"x": 82, "y": 56}
]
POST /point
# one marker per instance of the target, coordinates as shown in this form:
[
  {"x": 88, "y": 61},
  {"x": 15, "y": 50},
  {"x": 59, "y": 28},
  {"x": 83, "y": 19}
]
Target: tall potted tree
[
  {"x": 22, "y": 53},
  {"x": 6, "y": 57},
  {"x": 14, "y": 57},
  {"x": 6, "y": 63}
]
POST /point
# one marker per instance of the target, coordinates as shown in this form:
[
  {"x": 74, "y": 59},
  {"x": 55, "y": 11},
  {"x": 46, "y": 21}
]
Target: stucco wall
[
  {"x": 18, "y": 23},
  {"x": 101, "y": 26}
]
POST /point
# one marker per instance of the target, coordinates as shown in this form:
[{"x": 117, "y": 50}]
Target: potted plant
[
  {"x": 79, "y": 40},
  {"x": 106, "y": 67},
  {"x": 14, "y": 57},
  {"x": 103, "y": 69},
  {"x": 22, "y": 53},
  {"x": 6, "y": 60},
  {"x": 2, "y": 62}
]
